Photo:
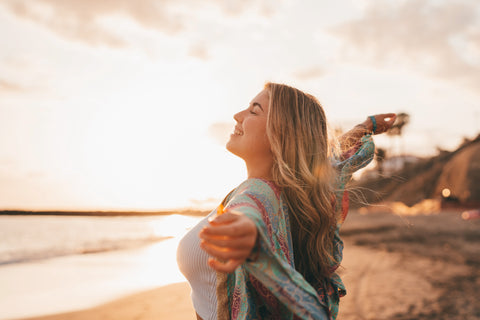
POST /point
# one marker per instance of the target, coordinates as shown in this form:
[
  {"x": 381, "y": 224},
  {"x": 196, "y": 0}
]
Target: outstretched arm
[
  {"x": 382, "y": 123},
  {"x": 250, "y": 239}
]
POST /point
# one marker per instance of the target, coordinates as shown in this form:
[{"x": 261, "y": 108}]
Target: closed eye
[{"x": 255, "y": 108}]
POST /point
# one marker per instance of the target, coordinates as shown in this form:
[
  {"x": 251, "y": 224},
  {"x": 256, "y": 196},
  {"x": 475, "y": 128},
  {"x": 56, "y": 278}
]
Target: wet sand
[
  {"x": 168, "y": 302},
  {"x": 417, "y": 267}
]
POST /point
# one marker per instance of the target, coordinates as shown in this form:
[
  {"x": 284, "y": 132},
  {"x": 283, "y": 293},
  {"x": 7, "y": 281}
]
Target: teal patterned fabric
[{"x": 268, "y": 286}]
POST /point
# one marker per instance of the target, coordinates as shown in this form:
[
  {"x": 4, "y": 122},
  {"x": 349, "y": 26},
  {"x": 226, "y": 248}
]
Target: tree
[
  {"x": 397, "y": 129},
  {"x": 380, "y": 154}
]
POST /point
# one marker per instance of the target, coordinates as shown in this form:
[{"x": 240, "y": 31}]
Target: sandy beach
[
  {"x": 395, "y": 267},
  {"x": 167, "y": 302}
]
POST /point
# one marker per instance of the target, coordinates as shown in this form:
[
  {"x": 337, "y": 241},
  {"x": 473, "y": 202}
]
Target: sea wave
[
  {"x": 26, "y": 255},
  {"x": 27, "y": 238}
]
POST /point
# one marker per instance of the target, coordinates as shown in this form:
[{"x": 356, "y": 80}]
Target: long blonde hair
[{"x": 297, "y": 131}]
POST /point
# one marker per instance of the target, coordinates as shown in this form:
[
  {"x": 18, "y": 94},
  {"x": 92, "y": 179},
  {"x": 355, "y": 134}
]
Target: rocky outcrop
[{"x": 456, "y": 174}]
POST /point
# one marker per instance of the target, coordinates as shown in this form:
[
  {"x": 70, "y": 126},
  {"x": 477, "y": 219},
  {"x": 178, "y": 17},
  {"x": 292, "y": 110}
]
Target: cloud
[
  {"x": 13, "y": 81},
  {"x": 83, "y": 20},
  {"x": 17, "y": 61},
  {"x": 11, "y": 87},
  {"x": 199, "y": 51},
  {"x": 266, "y": 8},
  {"x": 310, "y": 73},
  {"x": 70, "y": 19},
  {"x": 439, "y": 39},
  {"x": 7, "y": 163}
]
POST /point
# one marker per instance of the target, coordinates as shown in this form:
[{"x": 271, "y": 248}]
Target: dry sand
[
  {"x": 415, "y": 267},
  {"x": 420, "y": 267}
]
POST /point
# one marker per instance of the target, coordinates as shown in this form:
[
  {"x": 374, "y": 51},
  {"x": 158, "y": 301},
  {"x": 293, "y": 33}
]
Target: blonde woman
[{"x": 270, "y": 250}]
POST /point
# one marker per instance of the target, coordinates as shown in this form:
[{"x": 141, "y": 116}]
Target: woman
[{"x": 272, "y": 246}]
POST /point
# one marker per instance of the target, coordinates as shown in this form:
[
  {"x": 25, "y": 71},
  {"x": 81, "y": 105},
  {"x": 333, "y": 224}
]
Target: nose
[{"x": 238, "y": 116}]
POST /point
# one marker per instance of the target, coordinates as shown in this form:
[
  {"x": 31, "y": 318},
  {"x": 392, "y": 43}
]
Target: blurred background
[
  {"x": 128, "y": 104},
  {"x": 114, "y": 107}
]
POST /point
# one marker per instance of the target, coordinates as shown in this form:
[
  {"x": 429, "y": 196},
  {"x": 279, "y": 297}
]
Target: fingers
[
  {"x": 384, "y": 121},
  {"x": 225, "y": 253},
  {"x": 245, "y": 242},
  {"x": 385, "y": 117},
  {"x": 229, "y": 238},
  {"x": 388, "y": 117},
  {"x": 231, "y": 225},
  {"x": 227, "y": 267},
  {"x": 224, "y": 218},
  {"x": 231, "y": 230},
  {"x": 388, "y": 121}
]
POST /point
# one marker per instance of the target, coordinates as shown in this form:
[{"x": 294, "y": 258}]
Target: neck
[{"x": 261, "y": 168}]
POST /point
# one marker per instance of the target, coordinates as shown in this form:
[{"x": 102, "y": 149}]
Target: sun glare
[
  {"x": 174, "y": 225},
  {"x": 136, "y": 149},
  {"x": 446, "y": 193}
]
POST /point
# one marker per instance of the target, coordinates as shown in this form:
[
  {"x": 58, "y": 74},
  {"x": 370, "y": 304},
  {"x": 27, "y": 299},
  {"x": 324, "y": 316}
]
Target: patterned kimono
[{"x": 268, "y": 286}]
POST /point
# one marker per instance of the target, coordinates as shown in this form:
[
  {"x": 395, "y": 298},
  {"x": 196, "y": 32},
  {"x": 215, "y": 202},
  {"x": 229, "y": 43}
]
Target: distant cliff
[{"x": 456, "y": 174}]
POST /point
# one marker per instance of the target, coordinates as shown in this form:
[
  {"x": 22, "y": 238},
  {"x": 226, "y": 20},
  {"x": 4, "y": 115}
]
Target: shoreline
[{"x": 100, "y": 213}]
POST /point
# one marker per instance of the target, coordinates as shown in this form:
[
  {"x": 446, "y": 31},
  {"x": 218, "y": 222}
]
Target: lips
[{"x": 238, "y": 132}]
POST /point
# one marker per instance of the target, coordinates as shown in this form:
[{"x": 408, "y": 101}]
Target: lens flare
[{"x": 446, "y": 193}]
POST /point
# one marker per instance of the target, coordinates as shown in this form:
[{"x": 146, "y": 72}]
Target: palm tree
[
  {"x": 380, "y": 156},
  {"x": 401, "y": 121}
]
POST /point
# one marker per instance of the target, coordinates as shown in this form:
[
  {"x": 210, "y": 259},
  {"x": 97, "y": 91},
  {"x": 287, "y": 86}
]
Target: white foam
[{"x": 26, "y": 238}]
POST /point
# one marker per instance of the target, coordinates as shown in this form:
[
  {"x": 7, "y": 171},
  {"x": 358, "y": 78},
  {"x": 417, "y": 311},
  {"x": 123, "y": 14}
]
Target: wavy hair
[{"x": 297, "y": 131}]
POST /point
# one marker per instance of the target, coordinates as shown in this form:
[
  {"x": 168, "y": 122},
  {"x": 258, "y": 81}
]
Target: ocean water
[
  {"x": 28, "y": 238},
  {"x": 55, "y": 264}
]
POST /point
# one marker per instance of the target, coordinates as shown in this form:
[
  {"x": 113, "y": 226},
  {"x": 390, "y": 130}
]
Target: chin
[
  {"x": 231, "y": 148},
  {"x": 230, "y": 145}
]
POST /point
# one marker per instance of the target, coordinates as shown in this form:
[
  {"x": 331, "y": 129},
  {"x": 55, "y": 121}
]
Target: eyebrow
[{"x": 257, "y": 104}]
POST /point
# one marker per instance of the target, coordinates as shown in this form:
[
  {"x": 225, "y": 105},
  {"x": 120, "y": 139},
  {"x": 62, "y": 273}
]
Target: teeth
[{"x": 238, "y": 132}]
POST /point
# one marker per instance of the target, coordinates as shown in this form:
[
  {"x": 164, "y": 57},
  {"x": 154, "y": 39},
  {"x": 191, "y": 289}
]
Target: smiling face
[{"x": 249, "y": 140}]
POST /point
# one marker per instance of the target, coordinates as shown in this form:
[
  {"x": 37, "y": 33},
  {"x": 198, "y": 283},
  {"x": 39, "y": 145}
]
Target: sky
[{"x": 120, "y": 105}]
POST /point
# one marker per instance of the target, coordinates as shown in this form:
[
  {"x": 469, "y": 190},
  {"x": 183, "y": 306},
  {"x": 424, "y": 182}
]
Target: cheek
[
  {"x": 255, "y": 129},
  {"x": 257, "y": 134}
]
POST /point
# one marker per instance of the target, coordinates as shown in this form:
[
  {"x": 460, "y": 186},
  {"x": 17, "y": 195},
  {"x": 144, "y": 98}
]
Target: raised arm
[{"x": 376, "y": 124}]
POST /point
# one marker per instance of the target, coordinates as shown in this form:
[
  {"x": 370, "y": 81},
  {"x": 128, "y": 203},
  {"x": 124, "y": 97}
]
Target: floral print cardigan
[{"x": 269, "y": 287}]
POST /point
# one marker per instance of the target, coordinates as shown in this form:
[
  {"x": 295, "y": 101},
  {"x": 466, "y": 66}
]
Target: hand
[
  {"x": 384, "y": 122},
  {"x": 229, "y": 239}
]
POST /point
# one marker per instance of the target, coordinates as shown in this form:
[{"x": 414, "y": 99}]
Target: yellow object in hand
[{"x": 220, "y": 209}]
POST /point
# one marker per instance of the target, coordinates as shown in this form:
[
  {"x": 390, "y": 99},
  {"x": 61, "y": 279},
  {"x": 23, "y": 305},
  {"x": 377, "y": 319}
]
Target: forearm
[{"x": 353, "y": 136}]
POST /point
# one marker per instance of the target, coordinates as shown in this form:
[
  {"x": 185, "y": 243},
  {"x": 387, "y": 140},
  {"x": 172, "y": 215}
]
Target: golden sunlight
[
  {"x": 446, "y": 193},
  {"x": 174, "y": 225}
]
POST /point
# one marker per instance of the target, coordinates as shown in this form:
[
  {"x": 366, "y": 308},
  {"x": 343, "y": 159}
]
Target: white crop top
[{"x": 192, "y": 262}]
